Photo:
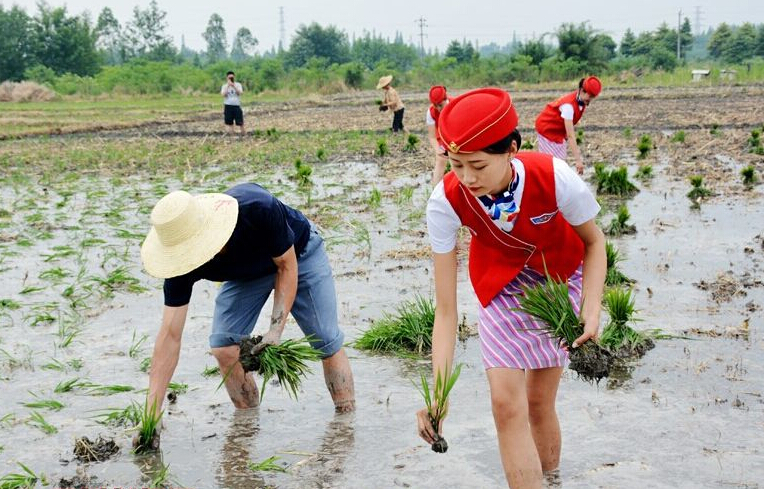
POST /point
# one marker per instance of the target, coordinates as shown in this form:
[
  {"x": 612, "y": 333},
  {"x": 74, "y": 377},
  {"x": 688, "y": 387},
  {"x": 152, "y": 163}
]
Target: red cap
[
  {"x": 592, "y": 86},
  {"x": 437, "y": 94},
  {"x": 477, "y": 119}
]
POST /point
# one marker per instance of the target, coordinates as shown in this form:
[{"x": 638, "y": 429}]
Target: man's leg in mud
[
  {"x": 240, "y": 385},
  {"x": 339, "y": 381}
]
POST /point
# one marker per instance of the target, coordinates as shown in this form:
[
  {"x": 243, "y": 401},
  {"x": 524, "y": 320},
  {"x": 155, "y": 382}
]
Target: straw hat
[
  {"x": 384, "y": 81},
  {"x": 187, "y": 231}
]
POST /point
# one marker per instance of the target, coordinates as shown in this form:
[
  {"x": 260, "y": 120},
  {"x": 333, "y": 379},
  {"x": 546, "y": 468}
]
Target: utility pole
[
  {"x": 679, "y": 36},
  {"x": 282, "y": 31},
  {"x": 422, "y": 24}
]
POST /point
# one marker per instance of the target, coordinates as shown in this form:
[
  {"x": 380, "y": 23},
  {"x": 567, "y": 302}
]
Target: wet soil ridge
[{"x": 97, "y": 451}]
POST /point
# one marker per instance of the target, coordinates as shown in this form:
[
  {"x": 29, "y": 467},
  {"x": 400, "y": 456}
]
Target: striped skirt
[
  {"x": 558, "y": 150},
  {"x": 513, "y": 339}
]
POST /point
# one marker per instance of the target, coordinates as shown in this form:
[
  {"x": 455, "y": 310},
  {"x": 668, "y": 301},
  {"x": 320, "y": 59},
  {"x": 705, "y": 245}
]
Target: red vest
[
  {"x": 551, "y": 125},
  {"x": 541, "y": 238},
  {"x": 434, "y": 113}
]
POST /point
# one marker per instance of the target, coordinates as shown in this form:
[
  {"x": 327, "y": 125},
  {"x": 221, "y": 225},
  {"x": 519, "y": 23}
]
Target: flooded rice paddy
[{"x": 76, "y": 305}]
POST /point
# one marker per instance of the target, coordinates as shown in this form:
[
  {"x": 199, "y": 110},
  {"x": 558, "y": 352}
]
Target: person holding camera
[{"x": 231, "y": 91}]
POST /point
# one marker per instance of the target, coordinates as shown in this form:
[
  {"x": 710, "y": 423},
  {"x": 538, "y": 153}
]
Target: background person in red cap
[
  {"x": 529, "y": 214},
  {"x": 555, "y": 124},
  {"x": 438, "y": 100}
]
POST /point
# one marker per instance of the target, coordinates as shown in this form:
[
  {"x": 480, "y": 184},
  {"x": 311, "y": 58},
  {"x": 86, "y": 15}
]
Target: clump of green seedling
[
  {"x": 303, "y": 171},
  {"x": 24, "y": 480},
  {"x": 38, "y": 421},
  {"x": 613, "y": 182},
  {"x": 644, "y": 172},
  {"x": 627, "y": 132},
  {"x": 618, "y": 336},
  {"x": 678, "y": 137},
  {"x": 754, "y": 142},
  {"x": 698, "y": 190},
  {"x": 210, "y": 371},
  {"x": 150, "y": 419},
  {"x": 405, "y": 333},
  {"x": 412, "y": 140},
  {"x": 527, "y": 145},
  {"x": 129, "y": 416},
  {"x": 135, "y": 345},
  {"x": 381, "y": 147},
  {"x": 714, "y": 131},
  {"x": 268, "y": 465},
  {"x": 437, "y": 401},
  {"x": 321, "y": 154},
  {"x": 286, "y": 361},
  {"x": 549, "y": 302},
  {"x": 614, "y": 276},
  {"x": 749, "y": 175},
  {"x": 620, "y": 224},
  {"x": 375, "y": 198},
  {"x": 579, "y": 137},
  {"x": 644, "y": 145}
]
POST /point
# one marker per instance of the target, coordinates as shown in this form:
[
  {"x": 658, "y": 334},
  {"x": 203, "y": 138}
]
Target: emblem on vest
[{"x": 544, "y": 218}]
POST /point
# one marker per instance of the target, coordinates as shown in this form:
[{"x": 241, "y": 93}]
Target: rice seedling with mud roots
[
  {"x": 406, "y": 333},
  {"x": 287, "y": 361},
  {"x": 381, "y": 147},
  {"x": 303, "y": 171},
  {"x": 698, "y": 191},
  {"x": 644, "y": 146},
  {"x": 620, "y": 223},
  {"x": 614, "y": 276},
  {"x": 411, "y": 142},
  {"x": 644, "y": 172},
  {"x": 549, "y": 302},
  {"x": 613, "y": 182},
  {"x": 149, "y": 424},
  {"x": 618, "y": 337},
  {"x": 437, "y": 401},
  {"x": 749, "y": 175}
]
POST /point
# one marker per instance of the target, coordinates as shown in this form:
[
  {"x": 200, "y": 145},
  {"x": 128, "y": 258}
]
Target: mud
[
  {"x": 250, "y": 359},
  {"x": 698, "y": 402},
  {"x": 94, "y": 451},
  {"x": 591, "y": 362}
]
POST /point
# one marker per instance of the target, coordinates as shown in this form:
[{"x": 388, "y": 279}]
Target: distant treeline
[{"x": 73, "y": 55}]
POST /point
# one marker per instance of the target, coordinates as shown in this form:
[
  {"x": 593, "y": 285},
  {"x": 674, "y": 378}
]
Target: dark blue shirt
[{"x": 265, "y": 228}]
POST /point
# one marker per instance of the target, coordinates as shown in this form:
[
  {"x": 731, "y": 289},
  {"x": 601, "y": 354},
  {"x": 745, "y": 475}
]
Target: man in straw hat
[
  {"x": 392, "y": 101},
  {"x": 554, "y": 125},
  {"x": 254, "y": 244}
]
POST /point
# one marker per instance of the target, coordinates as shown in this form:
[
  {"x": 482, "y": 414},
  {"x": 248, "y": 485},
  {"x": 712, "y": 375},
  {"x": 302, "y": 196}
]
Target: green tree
[
  {"x": 64, "y": 44},
  {"x": 583, "y": 45},
  {"x": 627, "y": 43},
  {"x": 16, "y": 53},
  {"x": 109, "y": 37},
  {"x": 314, "y": 41},
  {"x": 146, "y": 35},
  {"x": 685, "y": 34},
  {"x": 243, "y": 45},
  {"x": 536, "y": 50},
  {"x": 214, "y": 34},
  {"x": 743, "y": 44},
  {"x": 720, "y": 41},
  {"x": 760, "y": 40}
]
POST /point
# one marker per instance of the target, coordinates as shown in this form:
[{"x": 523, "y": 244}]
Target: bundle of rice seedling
[
  {"x": 148, "y": 432},
  {"x": 618, "y": 336},
  {"x": 443, "y": 386},
  {"x": 407, "y": 332},
  {"x": 614, "y": 276},
  {"x": 549, "y": 302},
  {"x": 287, "y": 361}
]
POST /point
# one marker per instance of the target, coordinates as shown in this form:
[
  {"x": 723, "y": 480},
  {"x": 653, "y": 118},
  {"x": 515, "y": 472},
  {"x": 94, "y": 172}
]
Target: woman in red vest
[
  {"x": 438, "y": 100},
  {"x": 529, "y": 213},
  {"x": 554, "y": 125}
]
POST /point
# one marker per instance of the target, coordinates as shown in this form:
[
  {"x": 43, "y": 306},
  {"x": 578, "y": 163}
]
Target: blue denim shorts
[{"x": 239, "y": 302}]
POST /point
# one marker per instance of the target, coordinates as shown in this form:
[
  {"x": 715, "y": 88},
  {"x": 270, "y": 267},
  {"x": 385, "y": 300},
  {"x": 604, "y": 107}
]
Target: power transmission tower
[
  {"x": 282, "y": 31},
  {"x": 422, "y": 24},
  {"x": 698, "y": 18}
]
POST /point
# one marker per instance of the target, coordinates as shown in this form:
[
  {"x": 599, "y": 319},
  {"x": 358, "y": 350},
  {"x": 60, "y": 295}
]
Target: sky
[{"x": 480, "y": 21}]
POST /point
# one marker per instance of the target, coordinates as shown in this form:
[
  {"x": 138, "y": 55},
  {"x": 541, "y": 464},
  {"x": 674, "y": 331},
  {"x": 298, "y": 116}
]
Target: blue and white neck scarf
[{"x": 503, "y": 208}]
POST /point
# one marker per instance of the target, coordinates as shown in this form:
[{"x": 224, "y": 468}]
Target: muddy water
[{"x": 688, "y": 415}]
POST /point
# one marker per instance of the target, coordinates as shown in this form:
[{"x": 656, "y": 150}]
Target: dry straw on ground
[{"x": 25, "y": 92}]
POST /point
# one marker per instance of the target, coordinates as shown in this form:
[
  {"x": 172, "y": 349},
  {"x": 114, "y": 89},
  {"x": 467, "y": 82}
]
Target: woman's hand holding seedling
[{"x": 425, "y": 426}]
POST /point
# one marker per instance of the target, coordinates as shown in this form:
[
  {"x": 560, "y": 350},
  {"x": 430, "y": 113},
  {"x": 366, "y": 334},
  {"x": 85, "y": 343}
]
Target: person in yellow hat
[
  {"x": 392, "y": 101},
  {"x": 254, "y": 244}
]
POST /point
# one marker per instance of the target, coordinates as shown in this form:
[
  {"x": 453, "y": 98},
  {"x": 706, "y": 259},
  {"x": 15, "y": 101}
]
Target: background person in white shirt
[{"x": 231, "y": 91}]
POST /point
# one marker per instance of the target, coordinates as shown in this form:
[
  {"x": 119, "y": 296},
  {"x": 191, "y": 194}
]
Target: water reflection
[
  {"x": 325, "y": 469},
  {"x": 234, "y": 455}
]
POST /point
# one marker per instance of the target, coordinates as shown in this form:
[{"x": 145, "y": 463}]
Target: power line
[{"x": 422, "y": 24}]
